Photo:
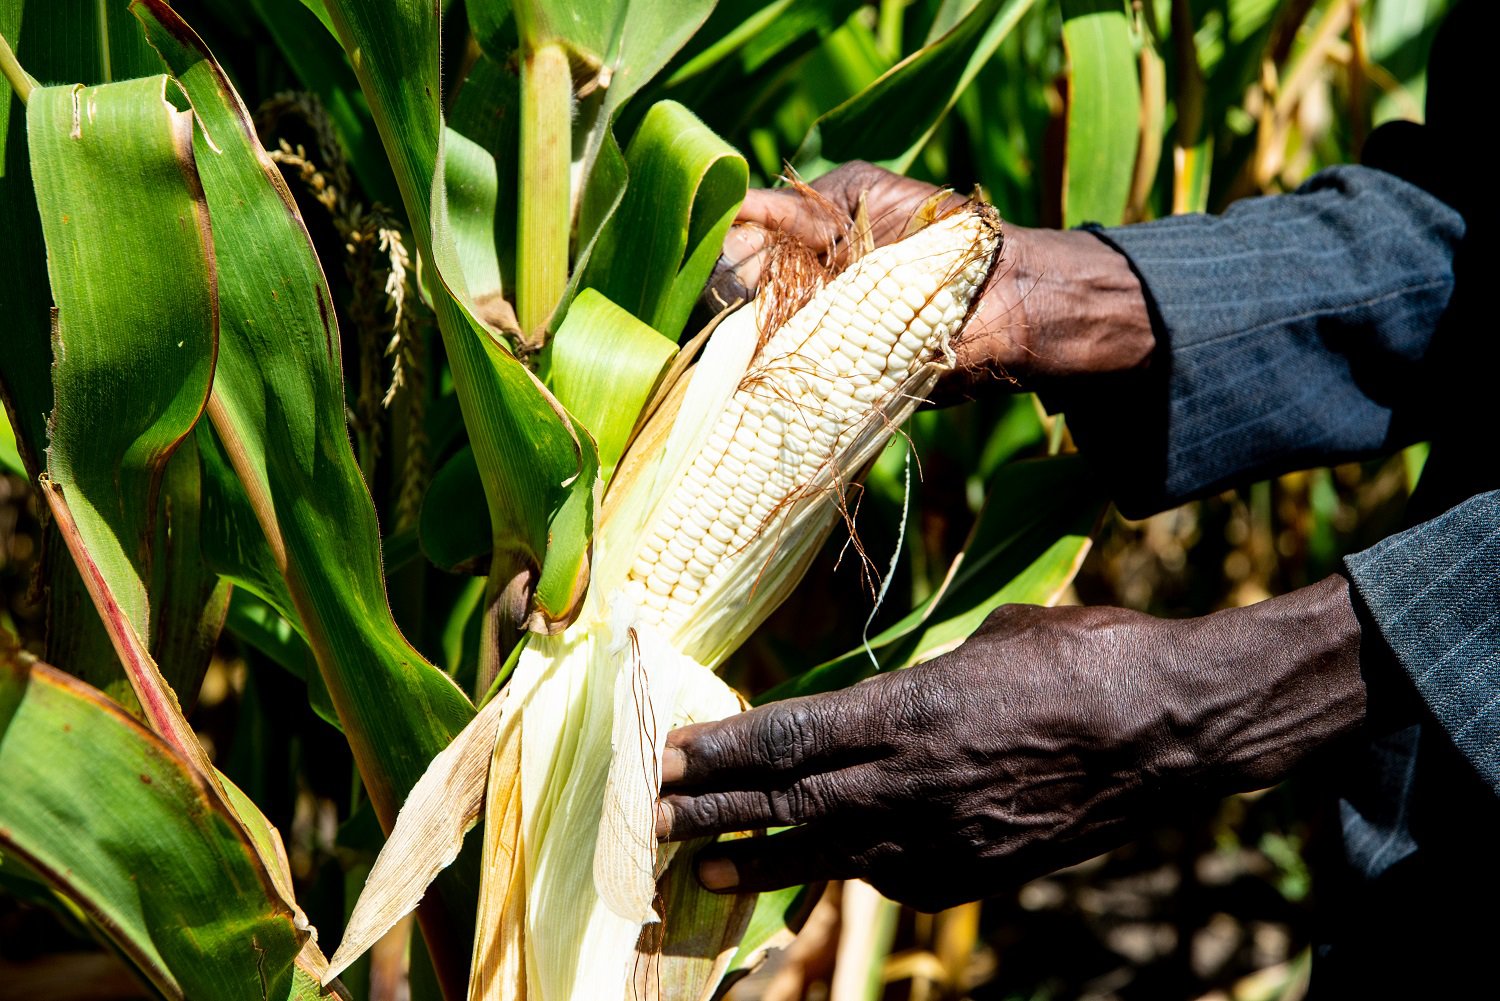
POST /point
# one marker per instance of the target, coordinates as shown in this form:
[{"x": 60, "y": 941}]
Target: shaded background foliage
[{"x": 1226, "y": 99}]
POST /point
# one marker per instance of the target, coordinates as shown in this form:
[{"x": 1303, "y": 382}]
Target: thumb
[{"x": 792, "y": 858}]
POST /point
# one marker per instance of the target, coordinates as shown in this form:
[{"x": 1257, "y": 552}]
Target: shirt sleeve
[
  {"x": 1433, "y": 594},
  {"x": 1291, "y": 332}
]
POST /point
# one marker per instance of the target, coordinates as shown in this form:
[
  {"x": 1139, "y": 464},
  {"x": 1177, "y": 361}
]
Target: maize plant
[
  {"x": 355, "y": 356},
  {"x": 731, "y": 489}
]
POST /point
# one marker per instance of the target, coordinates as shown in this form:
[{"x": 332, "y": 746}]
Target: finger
[
  {"x": 727, "y": 286},
  {"x": 890, "y": 199},
  {"x": 745, "y": 250},
  {"x": 816, "y": 224},
  {"x": 792, "y": 858},
  {"x": 820, "y": 796},
  {"x": 757, "y": 749}
]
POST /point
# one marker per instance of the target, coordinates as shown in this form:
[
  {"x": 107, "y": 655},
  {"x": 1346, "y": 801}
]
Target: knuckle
[
  {"x": 714, "y": 814},
  {"x": 682, "y": 814},
  {"x": 788, "y": 734},
  {"x": 799, "y": 802},
  {"x": 708, "y": 810},
  {"x": 693, "y": 815}
]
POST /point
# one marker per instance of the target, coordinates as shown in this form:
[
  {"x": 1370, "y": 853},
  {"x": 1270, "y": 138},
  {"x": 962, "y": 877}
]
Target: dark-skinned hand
[
  {"x": 1060, "y": 304},
  {"x": 1051, "y": 735}
]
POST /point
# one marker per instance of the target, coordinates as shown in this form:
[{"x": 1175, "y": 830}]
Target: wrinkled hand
[
  {"x": 823, "y": 221},
  {"x": 1050, "y": 736},
  {"x": 1059, "y": 305}
]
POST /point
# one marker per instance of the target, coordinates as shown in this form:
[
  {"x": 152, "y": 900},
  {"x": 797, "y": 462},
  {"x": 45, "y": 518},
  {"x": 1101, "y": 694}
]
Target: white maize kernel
[
  {"x": 892, "y": 325},
  {"x": 855, "y": 335}
]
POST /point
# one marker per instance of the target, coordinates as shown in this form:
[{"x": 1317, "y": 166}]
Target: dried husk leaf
[{"x": 442, "y": 807}]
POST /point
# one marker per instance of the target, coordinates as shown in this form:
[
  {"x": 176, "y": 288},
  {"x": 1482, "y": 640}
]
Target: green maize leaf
[
  {"x": 947, "y": 16},
  {"x": 852, "y": 57},
  {"x": 233, "y": 542},
  {"x": 537, "y": 469},
  {"x": 775, "y": 58},
  {"x": 891, "y": 120},
  {"x": 633, "y": 38},
  {"x": 278, "y": 407},
  {"x": 460, "y": 632},
  {"x": 1104, "y": 111},
  {"x": 485, "y": 112},
  {"x": 24, "y": 299},
  {"x": 1025, "y": 547},
  {"x": 753, "y": 33},
  {"x": 778, "y": 915},
  {"x": 1193, "y": 177},
  {"x": 10, "y": 454},
  {"x": 604, "y": 365},
  {"x": 89, "y": 41},
  {"x": 471, "y": 177},
  {"x": 1018, "y": 428},
  {"x": 58, "y": 41},
  {"x": 1006, "y": 115},
  {"x": 188, "y": 601},
  {"x": 1039, "y": 582},
  {"x": 1231, "y": 44},
  {"x": 493, "y": 26},
  {"x": 76, "y": 640},
  {"x": 1400, "y": 38},
  {"x": 657, "y": 250},
  {"x": 597, "y": 204},
  {"x": 565, "y": 575},
  {"x": 135, "y": 361},
  {"x": 114, "y": 178},
  {"x": 261, "y": 612},
  {"x": 151, "y": 855},
  {"x": 1193, "y": 138}
]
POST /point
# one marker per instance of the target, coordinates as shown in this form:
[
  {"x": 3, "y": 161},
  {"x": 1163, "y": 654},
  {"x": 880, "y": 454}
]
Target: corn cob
[
  {"x": 711, "y": 520},
  {"x": 818, "y": 401}
]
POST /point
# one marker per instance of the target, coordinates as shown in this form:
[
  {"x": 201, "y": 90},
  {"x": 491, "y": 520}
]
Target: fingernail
[
  {"x": 718, "y": 874},
  {"x": 663, "y": 821},
  {"x": 673, "y": 765}
]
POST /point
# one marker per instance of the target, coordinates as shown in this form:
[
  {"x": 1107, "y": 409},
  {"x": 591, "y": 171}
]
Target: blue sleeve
[
  {"x": 1291, "y": 333},
  {"x": 1433, "y": 594}
]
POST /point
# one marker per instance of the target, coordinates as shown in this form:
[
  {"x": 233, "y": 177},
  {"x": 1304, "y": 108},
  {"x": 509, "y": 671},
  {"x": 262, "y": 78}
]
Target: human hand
[
  {"x": 1051, "y": 735},
  {"x": 1060, "y": 304}
]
